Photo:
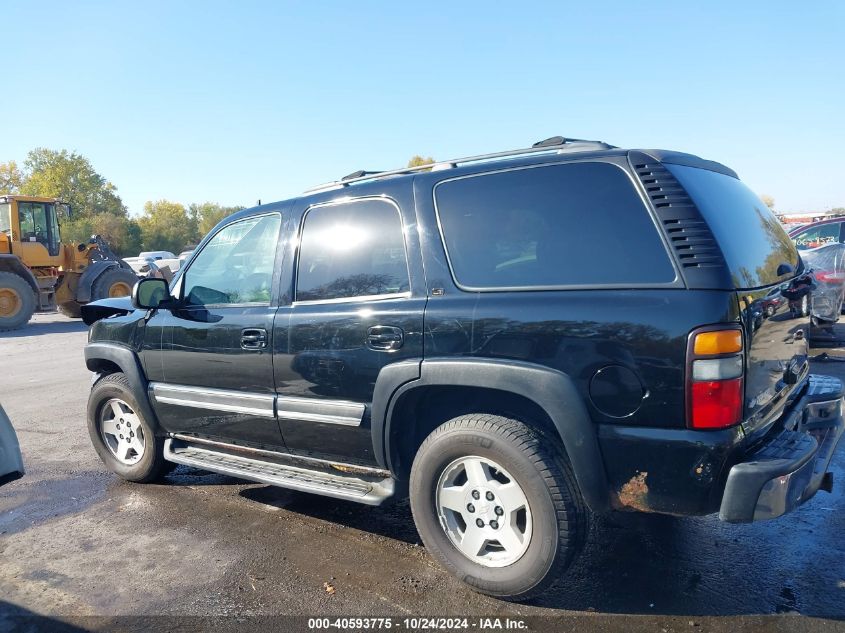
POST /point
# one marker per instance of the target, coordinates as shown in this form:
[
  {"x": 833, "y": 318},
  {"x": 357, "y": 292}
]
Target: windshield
[{"x": 751, "y": 238}]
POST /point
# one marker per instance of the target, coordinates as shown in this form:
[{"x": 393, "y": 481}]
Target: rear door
[
  {"x": 755, "y": 246},
  {"x": 355, "y": 305},
  {"x": 215, "y": 376}
]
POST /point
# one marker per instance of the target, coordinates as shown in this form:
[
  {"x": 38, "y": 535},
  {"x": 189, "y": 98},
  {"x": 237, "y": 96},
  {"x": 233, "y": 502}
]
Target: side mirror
[
  {"x": 785, "y": 269},
  {"x": 150, "y": 293}
]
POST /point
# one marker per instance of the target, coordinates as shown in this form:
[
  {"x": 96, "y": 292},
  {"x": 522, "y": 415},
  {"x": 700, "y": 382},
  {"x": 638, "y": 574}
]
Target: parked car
[
  {"x": 821, "y": 233},
  {"x": 183, "y": 257},
  {"x": 11, "y": 461},
  {"x": 516, "y": 341},
  {"x": 156, "y": 255},
  {"x": 772, "y": 302}
]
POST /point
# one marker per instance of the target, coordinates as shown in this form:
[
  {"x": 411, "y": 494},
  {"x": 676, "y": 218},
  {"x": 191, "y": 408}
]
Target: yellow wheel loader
[{"x": 39, "y": 272}]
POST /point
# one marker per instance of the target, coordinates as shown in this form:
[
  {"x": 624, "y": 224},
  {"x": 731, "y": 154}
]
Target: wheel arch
[
  {"x": 108, "y": 358},
  {"x": 545, "y": 397},
  {"x": 13, "y": 264},
  {"x": 86, "y": 280}
]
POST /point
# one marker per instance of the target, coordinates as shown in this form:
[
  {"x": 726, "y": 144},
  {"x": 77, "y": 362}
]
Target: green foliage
[
  {"x": 121, "y": 233},
  {"x": 11, "y": 177},
  {"x": 768, "y": 200},
  {"x": 166, "y": 226},
  {"x": 207, "y": 215},
  {"x": 71, "y": 177},
  {"x": 418, "y": 161}
]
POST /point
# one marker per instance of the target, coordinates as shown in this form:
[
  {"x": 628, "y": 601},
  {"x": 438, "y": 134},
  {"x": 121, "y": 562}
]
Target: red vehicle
[{"x": 770, "y": 304}]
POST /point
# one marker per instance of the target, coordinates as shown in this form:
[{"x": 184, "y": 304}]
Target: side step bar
[{"x": 370, "y": 491}]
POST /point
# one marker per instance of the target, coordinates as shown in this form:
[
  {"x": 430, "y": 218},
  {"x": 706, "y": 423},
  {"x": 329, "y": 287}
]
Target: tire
[
  {"x": 770, "y": 311},
  {"x": 150, "y": 464},
  {"x": 71, "y": 309},
  {"x": 554, "y": 507},
  {"x": 115, "y": 282},
  {"x": 17, "y": 302}
]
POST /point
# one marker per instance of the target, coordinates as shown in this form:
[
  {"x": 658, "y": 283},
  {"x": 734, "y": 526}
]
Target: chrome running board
[{"x": 352, "y": 487}]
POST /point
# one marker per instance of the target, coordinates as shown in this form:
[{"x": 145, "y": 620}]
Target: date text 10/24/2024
[{"x": 418, "y": 624}]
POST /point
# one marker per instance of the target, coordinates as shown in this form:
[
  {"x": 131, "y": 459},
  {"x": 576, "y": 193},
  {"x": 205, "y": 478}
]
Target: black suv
[{"x": 515, "y": 341}]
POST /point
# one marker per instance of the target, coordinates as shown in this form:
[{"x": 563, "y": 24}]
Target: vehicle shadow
[
  {"x": 656, "y": 565},
  {"x": 14, "y": 619},
  {"x": 183, "y": 475},
  {"x": 51, "y": 327}
]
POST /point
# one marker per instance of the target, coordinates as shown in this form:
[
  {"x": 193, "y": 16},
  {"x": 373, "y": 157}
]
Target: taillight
[{"x": 714, "y": 378}]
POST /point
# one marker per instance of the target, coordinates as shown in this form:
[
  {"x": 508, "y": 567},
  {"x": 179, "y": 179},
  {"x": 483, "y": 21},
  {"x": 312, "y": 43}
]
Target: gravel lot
[{"x": 76, "y": 542}]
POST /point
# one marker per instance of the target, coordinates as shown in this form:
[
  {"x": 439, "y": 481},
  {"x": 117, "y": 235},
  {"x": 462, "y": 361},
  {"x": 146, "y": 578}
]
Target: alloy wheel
[
  {"x": 484, "y": 511},
  {"x": 122, "y": 432}
]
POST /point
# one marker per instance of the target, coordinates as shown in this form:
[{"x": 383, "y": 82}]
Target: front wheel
[
  {"x": 497, "y": 505},
  {"x": 122, "y": 437},
  {"x": 115, "y": 282}
]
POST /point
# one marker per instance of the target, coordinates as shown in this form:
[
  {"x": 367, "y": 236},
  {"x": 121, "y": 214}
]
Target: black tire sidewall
[
  {"x": 529, "y": 571},
  {"x": 149, "y": 465},
  {"x": 101, "y": 285},
  {"x": 27, "y": 296}
]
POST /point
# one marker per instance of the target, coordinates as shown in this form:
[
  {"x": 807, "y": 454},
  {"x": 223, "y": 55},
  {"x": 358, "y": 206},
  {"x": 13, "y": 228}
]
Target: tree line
[{"x": 98, "y": 209}]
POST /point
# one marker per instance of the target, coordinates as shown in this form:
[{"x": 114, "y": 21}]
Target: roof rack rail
[
  {"x": 553, "y": 143},
  {"x": 361, "y": 173}
]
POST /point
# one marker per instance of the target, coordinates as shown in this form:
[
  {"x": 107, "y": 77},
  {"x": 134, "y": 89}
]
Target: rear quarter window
[
  {"x": 752, "y": 240},
  {"x": 579, "y": 224}
]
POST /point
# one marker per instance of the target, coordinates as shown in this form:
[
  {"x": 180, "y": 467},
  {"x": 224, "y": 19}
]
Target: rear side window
[
  {"x": 352, "y": 249},
  {"x": 751, "y": 238},
  {"x": 581, "y": 224}
]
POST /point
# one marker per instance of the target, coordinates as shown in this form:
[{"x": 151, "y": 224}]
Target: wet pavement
[{"x": 76, "y": 541}]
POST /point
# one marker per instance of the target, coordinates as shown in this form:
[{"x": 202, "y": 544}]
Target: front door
[
  {"x": 214, "y": 375},
  {"x": 357, "y": 306}
]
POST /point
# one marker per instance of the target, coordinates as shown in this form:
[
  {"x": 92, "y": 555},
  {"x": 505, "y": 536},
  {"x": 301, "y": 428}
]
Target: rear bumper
[{"x": 791, "y": 466}]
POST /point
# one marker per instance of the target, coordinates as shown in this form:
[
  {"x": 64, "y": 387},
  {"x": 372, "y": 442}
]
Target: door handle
[
  {"x": 254, "y": 338},
  {"x": 385, "y": 337}
]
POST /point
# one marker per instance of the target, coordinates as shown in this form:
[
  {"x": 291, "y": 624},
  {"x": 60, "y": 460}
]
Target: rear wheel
[
  {"x": 497, "y": 505},
  {"x": 17, "y": 302},
  {"x": 115, "y": 282}
]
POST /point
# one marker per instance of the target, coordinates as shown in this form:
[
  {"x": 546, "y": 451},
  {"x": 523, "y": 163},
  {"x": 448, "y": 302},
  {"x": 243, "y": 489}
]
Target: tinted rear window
[
  {"x": 560, "y": 225},
  {"x": 751, "y": 238}
]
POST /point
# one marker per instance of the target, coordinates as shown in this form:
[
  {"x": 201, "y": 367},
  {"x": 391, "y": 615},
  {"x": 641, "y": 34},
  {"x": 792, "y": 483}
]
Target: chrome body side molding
[
  {"x": 327, "y": 411},
  {"x": 260, "y": 405}
]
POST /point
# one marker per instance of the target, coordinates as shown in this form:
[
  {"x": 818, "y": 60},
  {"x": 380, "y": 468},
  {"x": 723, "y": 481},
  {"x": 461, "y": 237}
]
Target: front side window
[
  {"x": 576, "y": 224},
  {"x": 236, "y": 265},
  {"x": 353, "y": 249},
  {"x": 818, "y": 236},
  {"x": 6, "y": 219}
]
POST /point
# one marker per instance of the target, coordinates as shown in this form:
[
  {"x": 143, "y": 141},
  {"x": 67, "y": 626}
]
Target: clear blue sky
[{"x": 236, "y": 101}]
